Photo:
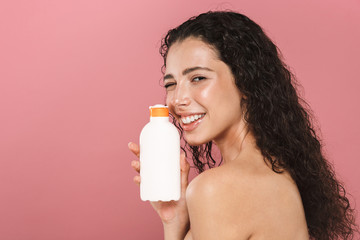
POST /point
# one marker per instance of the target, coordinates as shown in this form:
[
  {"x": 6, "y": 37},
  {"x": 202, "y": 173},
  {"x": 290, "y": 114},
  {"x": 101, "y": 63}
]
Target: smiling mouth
[{"x": 190, "y": 119}]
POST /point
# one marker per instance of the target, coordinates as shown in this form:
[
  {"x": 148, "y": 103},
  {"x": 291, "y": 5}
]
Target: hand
[{"x": 173, "y": 212}]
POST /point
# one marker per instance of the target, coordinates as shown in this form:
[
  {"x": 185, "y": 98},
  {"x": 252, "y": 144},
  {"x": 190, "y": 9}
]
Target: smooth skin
[{"x": 243, "y": 198}]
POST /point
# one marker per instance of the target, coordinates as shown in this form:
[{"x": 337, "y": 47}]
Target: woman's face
[{"x": 201, "y": 92}]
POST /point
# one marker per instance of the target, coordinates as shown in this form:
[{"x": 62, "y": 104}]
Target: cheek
[
  {"x": 169, "y": 103},
  {"x": 223, "y": 99},
  {"x": 206, "y": 93},
  {"x": 169, "y": 97},
  {"x": 167, "y": 100}
]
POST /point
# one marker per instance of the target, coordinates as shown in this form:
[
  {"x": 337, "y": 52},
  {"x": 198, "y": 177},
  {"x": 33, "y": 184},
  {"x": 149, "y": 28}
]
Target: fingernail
[{"x": 129, "y": 144}]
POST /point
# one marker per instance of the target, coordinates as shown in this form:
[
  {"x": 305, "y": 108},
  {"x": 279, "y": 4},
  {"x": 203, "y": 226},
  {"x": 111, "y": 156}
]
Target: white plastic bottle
[{"x": 159, "y": 158}]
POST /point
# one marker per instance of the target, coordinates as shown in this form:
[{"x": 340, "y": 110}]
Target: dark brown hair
[{"x": 275, "y": 114}]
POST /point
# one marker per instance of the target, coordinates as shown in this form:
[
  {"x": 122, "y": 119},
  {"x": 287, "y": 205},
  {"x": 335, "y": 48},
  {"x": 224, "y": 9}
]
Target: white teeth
[{"x": 190, "y": 119}]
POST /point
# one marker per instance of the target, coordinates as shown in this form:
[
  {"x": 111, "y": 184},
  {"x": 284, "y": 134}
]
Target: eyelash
[
  {"x": 169, "y": 85},
  {"x": 200, "y": 78},
  {"x": 193, "y": 80}
]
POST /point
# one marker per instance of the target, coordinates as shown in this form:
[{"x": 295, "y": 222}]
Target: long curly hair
[{"x": 279, "y": 119}]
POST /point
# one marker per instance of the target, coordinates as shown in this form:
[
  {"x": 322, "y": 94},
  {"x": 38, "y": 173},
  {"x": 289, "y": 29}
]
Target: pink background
[{"x": 76, "y": 80}]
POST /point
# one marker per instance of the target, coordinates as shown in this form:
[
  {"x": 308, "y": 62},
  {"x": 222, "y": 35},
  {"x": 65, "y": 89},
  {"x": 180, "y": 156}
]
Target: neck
[{"x": 235, "y": 141}]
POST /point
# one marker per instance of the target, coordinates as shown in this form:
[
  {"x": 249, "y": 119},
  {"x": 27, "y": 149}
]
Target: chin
[{"x": 194, "y": 141}]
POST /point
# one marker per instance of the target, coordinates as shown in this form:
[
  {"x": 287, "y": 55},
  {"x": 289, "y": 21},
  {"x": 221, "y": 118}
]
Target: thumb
[{"x": 185, "y": 168}]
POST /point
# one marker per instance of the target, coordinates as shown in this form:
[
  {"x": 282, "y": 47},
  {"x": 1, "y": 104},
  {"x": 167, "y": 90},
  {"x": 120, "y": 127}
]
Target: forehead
[{"x": 190, "y": 52}]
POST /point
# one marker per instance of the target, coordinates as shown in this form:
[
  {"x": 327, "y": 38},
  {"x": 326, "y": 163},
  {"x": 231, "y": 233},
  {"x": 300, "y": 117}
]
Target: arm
[
  {"x": 173, "y": 232},
  {"x": 188, "y": 236},
  {"x": 176, "y": 223}
]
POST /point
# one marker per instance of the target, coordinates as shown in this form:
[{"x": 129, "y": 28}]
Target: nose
[{"x": 181, "y": 97}]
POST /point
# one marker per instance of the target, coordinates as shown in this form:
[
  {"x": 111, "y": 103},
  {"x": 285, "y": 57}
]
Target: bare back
[{"x": 245, "y": 200}]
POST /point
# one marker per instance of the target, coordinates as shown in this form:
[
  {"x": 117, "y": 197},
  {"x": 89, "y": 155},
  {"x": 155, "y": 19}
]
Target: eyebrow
[{"x": 187, "y": 71}]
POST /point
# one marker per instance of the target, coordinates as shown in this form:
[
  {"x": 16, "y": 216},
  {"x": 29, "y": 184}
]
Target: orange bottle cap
[{"x": 159, "y": 111}]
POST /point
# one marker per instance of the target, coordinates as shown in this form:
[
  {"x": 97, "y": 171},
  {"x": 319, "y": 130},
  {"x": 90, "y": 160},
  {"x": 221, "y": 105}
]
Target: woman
[{"x": 274, "y": 182}]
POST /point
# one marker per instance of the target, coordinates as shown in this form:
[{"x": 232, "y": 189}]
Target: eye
[
  {"x": 168, "y": 85},
  {"x": 197, "y": 79}
]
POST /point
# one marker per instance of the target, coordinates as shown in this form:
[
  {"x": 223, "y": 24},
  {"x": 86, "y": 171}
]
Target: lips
[{"x": 191, "y": 121}]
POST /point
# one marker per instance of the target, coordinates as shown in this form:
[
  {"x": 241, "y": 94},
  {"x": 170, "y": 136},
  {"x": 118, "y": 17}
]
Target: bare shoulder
[
  {"x": 211, "y": 207},
  {"x": 240, "y": 203}
]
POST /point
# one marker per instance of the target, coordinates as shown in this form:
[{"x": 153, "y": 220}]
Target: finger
[
  {"x": 137, "y": 180},
  {"x": 184, "y": 165},
  {"x": 136, "y": 165},
  {"x": 134, "y": 148}
]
